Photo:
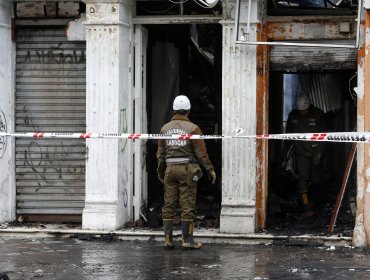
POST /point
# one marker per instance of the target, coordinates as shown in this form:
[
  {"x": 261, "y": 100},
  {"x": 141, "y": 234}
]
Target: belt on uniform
[{"x": 177, "y": 160}]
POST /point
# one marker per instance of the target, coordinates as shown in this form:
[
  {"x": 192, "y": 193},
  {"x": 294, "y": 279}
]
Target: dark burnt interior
[
  {"x": 196, "y": 73},
  {"x": 284, "y": 213},
  {"x": 164, "y": 7}
]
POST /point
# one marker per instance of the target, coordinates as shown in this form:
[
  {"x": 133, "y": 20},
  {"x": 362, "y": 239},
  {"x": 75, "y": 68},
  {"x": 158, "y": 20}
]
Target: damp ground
[{"x": 76, "y": 258}]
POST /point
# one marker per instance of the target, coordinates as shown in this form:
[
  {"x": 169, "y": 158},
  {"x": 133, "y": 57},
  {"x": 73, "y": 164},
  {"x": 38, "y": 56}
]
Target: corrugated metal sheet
[
  {"x": 50, "y": 97},
  {"x": 325, "y": 90},
  {"x": 312, "y": 58}
]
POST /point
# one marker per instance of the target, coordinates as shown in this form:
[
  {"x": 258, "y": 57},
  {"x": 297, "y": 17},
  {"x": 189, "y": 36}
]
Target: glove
[
  {"x": 161, "y": 178},
  {"x": 161, "y": 170},
  {"x": 316, "y": 159},
  {"x": 212, "y": 176}
]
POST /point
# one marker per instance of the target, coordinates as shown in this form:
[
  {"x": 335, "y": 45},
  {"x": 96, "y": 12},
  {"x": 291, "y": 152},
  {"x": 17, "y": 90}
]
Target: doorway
[
  {"x": 333, "y": 93},
  {"x": 185, "y": 59}
]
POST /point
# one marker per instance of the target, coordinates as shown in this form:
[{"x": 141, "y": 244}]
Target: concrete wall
[
  {"x": 361, "y": 233},
  {"x": 7, "y": 172}
]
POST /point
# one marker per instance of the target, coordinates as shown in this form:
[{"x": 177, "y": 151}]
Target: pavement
[
  {"x": 205, "y": 235},
  {"x": 81, "y": 257},
  {"x": 66, "y": 251}
]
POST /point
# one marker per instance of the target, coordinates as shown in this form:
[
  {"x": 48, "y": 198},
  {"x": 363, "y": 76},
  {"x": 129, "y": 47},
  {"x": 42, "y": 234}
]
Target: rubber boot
[
  {"x": 307, "y": 211},
  {"x": 187, "y": 236},
  {"x": 304, "y": 199},
  {"x": 167, "y": 226}
]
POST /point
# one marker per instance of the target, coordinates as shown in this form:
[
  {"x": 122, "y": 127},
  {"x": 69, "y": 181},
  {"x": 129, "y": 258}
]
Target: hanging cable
[
  {"x": 178, "y": 2},
  {"x": 202, "y": 3},
  {"x": 156, "y": 12},
  {"x": 351, "y": 92}
]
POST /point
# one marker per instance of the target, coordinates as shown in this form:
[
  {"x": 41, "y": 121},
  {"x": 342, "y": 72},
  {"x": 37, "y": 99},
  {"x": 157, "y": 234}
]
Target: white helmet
[
  {"x": 207, "y": 3},
  {"x": 302, "y": 102},
  {"x": 181, "y": 102}
]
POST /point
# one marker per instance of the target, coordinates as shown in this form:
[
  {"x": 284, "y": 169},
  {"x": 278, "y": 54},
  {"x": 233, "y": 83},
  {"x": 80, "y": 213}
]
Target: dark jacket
[{"x": 311, "y": 123}]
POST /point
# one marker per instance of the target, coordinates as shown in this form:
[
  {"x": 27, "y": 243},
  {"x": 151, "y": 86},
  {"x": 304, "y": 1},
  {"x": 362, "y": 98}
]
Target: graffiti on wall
[
  {"x": 58, "y": 57},
  {"x": 3, "y": 139},
  {"x": 28, "y": 121},
  {"x": 125, "y": 180},
  {"x": 124, "y": 127},
  {"x": 45, "y": 163},
  {"x": 123, "y": 145},
  {"x": 125, "y": 198}
]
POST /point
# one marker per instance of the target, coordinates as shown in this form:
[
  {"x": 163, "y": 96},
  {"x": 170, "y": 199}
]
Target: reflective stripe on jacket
[
  {"x": 176, "y": 148},
  {"x": 312, "y": 122}
]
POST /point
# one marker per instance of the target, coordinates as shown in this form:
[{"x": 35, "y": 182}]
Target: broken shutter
[
  {"x": 50, "y": 97},
  {"x": 293, "y": 58}
]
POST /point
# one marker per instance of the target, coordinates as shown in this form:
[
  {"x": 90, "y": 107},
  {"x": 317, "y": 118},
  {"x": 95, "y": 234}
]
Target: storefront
[
  {"x": 122, "y": 75},
  {"x": 50, "y": 96}
]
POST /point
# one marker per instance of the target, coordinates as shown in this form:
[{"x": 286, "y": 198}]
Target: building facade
[{"x": 71, "y": 66}]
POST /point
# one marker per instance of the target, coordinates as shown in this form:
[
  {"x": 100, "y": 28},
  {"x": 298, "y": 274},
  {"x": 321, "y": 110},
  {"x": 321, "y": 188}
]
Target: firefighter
[
  {"x": 179, "y": 169},
  {"x": 306, "y": 118}
]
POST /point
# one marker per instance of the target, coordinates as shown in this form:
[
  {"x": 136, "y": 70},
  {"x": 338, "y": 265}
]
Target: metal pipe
[
  {"x": 237, "y": 19},
  {"x": 359, "y": 8},
  {"x": 249, "y": 17},
  {"x": 186, "y": 19},
  {"x": 296, "y": 44},
  {"x": 5, "y": 25}
]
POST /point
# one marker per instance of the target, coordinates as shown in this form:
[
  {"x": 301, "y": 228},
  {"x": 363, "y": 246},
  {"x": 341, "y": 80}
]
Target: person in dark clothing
[
  {"x": 179, "y": 169},
  {"x": 306, "y": 118}
]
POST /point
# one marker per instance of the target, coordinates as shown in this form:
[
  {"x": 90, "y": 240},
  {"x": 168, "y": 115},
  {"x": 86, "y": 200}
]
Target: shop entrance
[
  {"x": 333, "y": 93},
  {"x": 185, "y": 59},
  {"x": 51, "y": 97}
]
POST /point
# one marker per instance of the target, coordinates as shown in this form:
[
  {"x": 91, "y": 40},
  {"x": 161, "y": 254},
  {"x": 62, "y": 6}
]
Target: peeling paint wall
[
  {"x": 7, "y": 175},
  {"x": 359, "y": 233},
  {"x": 262, "y": 128},
  {"x": 43, "y": 9},
  {"x": 76, "y": 30},
  {"x": 311, "y": 28}
]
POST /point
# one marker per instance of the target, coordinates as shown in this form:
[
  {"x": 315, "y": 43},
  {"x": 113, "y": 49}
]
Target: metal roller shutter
[
  {"x": 291, "y": 58},
  {"x": 50, "y": 97}
]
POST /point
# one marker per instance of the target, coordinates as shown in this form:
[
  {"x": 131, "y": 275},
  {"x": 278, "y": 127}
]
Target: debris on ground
[{"x": 4, "y": 276}]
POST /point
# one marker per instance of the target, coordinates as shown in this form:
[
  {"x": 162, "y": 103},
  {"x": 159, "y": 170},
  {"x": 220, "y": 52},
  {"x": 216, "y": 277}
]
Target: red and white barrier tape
[{"x": 350, "y": 137}]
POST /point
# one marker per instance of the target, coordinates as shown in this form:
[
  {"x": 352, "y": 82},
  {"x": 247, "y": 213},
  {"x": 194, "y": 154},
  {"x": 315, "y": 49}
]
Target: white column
[
  {"x": 239, "y": 110},
  {"x": 7, "y": 123},
  {"x": 108, "y": 109}
]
